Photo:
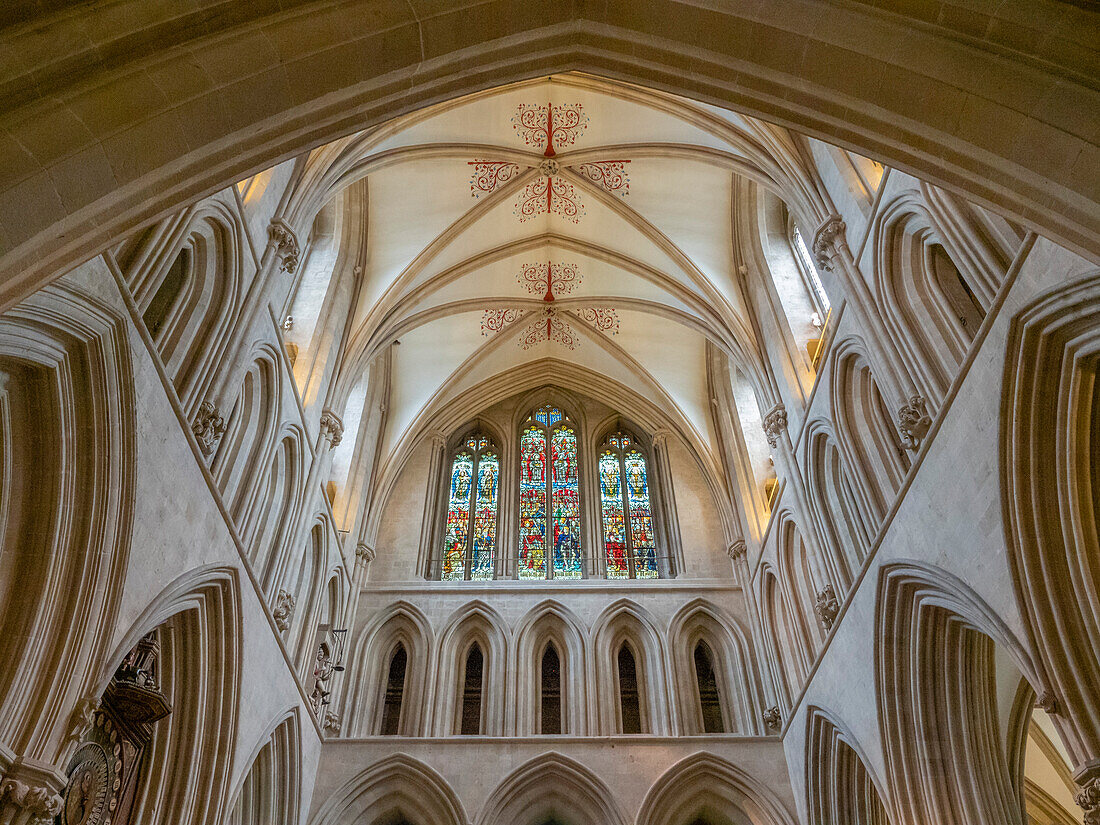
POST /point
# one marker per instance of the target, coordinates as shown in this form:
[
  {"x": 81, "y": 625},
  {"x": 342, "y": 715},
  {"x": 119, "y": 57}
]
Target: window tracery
[
  {"x": 549, "y": 497},
  {"x": 470, "y": 539},
  {"x": 629, "y": 547}
]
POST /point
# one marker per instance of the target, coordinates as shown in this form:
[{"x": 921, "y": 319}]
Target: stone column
[
  {"x": 775, "y": 428},
  {"x": 280, "y": 255},
  {"x": 830, "y": 247},
  {"x": 738, "y": 553}
]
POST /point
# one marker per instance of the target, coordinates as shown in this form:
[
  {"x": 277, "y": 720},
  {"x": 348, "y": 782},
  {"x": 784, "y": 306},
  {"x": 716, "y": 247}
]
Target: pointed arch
[
  {"x": 839, "y": 786},
  {"x": 706, "y": 785},
  {"x": 546, "y": 623},
  {"x": 865, "y": 428},
  {"x": 397, "y": 786},
  {"x": 739, "y": 692},
  {"x": 402, "y": 624},
  {"x": 1051, "y": 403},
  {"x": 67, "y": 441},
  {"x": 270, "y": 792},
  {"x": 198, "y": 621},
  {"x": 782, "y": 636},
  {"x": 625, "y": 622},
  {"x": 935, "y": 671},
  {"x": 551, "y": 786},
  {"x": 473, "y": 623}
]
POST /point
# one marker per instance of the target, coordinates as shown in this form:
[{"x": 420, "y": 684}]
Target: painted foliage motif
[
  {"x": 629, "y": 546},
  {"x": 549, "y": 128},
  {"x": 471, "y": 533}
]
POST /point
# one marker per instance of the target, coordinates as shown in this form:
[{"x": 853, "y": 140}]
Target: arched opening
[
  {"x": 550, "y": 692},
  {"x": 395, "y": 692},
  {"x": 472, "y": 687},
  {"x": 630, "y": 710},
  {"x": 167, "y": 293},
  {"x": 710, "y": 702}
]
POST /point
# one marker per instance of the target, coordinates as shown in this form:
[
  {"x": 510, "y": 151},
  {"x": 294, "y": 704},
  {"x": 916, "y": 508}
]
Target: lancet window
[
  {"x": 549, "y": 497},
  {"x": 469, "y": 542},
  {"x": 809, "y": 271},
  {"x": 630, "y": 550}
]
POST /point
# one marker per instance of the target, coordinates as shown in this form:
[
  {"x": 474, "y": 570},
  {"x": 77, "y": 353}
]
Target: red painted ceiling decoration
[
  {"x": 551, "y": 281},
  {"x": 549, "y": 128}
]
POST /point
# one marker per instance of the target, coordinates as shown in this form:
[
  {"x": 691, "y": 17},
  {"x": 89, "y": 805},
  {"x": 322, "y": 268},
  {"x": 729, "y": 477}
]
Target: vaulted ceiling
[{"x": 563, "y": 230}]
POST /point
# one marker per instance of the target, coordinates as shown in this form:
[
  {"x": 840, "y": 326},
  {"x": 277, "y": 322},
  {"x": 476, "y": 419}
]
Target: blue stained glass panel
[
  {"x": 611, "y": 510},
  {"x": 566, "y": 505},
  {"x": 641, "y": 516},
  {"x": 458, "y": 519},
  {"x": 485, "y": 516}
]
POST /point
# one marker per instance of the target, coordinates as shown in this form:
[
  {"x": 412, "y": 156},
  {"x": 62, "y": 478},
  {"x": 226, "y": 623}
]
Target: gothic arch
[
  {"x": 706, "y": 785},
  {"x": 796, "y": 571},
  {"x": 782, "y": 637},
  {"x": 401, "y": 623},
  {"x": 931, "y": 309},
  {"x": 700, "y": 620},
  {"x": 189, "y": 295},
  {"x": 480, "y": 623},
  {"x": 551, "y": 785},
  {"x": 397, "y": 786},
  {"x": 66, "y": 509},
  {"x": 627, "y": 622},
  {"x": 848, "y": 529},
  {"x": 198, "y": 623},
  {"x": 270, "y": 792},
  {"x": 250, "y": 432},
  {"x": 865, "y": 429},
  {"x": 839, "y": 786},
  {"x": 547, "y": 622},
  {"x": 266, "y": 527},
  {"x": 1050, "y": 407},
  {"x": 935, "y": 672}
]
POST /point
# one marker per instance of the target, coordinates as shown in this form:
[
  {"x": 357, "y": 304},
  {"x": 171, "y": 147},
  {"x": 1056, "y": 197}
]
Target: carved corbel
[
  {"x": 914, "y": 422},
  {"x": 737, "y": 550},
  {"x": 332, "y": 723},
  {"x": 286, "y": 245},
  {"x": 332, "y": 428},
  {"x": 1088, "y": 798},
  {"x": 775, "y": 422},
  {"x": 283, "y": 611},
  {"x": 1047, "y": 702},
  {"x": 827, "y": 241},
  {"x": 773, "y": 719},
  {"x": 208, "y": 427},
  {"x": 38, "y": 803},
  {"x": 363, "y": 553},
  {"x": 81, "y": 718},
  {"x": 827, "y": 606}
]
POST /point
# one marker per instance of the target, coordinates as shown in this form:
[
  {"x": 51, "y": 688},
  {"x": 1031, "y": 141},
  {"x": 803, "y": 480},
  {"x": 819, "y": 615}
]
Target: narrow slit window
[
  {"x": 709, "y": 701},
  {"x": 471, "y": 692},
  {"x": 629, "y": 701},
  {"x": 395, "y": 692},
  {"x": 550, "y": 692},
  {"x": 810, "y": 268}
]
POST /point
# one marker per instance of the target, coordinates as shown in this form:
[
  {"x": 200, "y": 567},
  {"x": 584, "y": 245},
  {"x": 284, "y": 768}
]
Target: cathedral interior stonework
[{"x": 550, "y": 413}]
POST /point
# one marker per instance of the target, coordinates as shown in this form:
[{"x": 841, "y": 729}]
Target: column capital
[
  {"x": 332, "y": 428},
  {"x": 438, "y": 439},
  {"x": 828, "y": 239},
  {"x": 738, "y": 550},
  {"x": 775, "y": 422},
  {"x": 827, "y": 607},
  {"x": 285, "y": 242},
  {"x": 660, "y": 437},
  {"x": 1088, "y": 799}
]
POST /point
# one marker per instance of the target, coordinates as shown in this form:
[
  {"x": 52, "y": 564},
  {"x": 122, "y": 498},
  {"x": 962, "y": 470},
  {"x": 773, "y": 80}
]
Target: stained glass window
[
  {"x": 630, "y": 550},
  {"x": 549, "y": 498},
  {"x": 470, "y": 536}
]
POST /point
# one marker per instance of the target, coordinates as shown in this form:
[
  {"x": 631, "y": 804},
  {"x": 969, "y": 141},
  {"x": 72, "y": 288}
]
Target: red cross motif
[{"x": 550, "y": 128}]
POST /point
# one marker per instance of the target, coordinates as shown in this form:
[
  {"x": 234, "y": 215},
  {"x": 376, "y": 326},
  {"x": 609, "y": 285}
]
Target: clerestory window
[{"x": 470, "y": 539}]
